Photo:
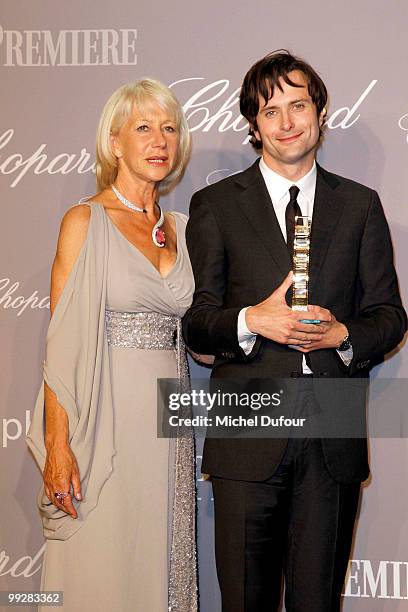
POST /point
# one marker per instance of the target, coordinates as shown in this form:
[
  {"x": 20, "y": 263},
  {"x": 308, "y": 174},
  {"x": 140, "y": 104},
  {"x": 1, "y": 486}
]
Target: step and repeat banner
[{"x": 58, "y": 65}]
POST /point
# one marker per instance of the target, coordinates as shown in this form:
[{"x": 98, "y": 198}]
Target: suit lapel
[
  {"x": 256, "y": 204},
  {"x": 327, "y": 210}
]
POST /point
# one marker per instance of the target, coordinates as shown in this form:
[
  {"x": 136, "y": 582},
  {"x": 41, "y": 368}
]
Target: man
[{"x": 283, "y": 506}]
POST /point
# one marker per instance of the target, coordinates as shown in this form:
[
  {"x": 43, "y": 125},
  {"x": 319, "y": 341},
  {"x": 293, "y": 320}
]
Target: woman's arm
[
  {"x": 207, "y": 360},
  {"x": 61, "y": 467}
]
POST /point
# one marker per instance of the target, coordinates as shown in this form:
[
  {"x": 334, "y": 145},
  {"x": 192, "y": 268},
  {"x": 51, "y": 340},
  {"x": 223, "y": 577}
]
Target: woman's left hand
[{"x": 204, "y": 359}]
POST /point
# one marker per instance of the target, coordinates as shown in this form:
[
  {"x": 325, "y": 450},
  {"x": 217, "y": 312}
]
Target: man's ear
[
  {"x": 322, "y": 116},
  {"x": 114, "y": 142},
  {"x": 254, "y": 130}
]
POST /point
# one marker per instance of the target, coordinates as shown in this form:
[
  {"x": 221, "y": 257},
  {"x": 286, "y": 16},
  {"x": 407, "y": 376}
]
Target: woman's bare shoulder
[
  {"x": 74, "y": 227},
  {"x": 72, "y": 236},
  {"x": 77, "y": 214}
]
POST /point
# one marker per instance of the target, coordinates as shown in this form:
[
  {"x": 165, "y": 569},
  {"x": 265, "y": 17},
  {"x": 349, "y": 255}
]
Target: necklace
[{"x": 158, "y": 235}]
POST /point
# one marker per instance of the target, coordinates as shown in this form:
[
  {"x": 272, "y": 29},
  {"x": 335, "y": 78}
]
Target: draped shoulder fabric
[{"x": 76, "y": 368}]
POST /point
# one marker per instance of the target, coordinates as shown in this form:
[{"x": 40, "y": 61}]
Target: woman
[{"x": 118, "y": 537}]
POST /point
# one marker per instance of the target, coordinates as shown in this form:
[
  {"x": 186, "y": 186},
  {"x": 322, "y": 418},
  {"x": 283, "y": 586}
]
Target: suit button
[
  {"x": 323, "y": 373},
  {"x": 295, "y": 374}
]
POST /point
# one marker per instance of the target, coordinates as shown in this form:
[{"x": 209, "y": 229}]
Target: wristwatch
[{"x": 346, "y": 344}]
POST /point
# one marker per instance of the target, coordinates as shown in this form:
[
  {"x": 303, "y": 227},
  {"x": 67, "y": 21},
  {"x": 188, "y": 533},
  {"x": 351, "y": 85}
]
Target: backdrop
[{"x": 59, "y": 63}]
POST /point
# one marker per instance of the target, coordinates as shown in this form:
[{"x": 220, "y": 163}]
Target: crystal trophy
[{"x": 301, "y": 251}]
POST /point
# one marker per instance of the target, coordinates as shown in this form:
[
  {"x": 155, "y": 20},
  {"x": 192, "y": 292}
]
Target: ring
[{"x": 60, "y": 496}]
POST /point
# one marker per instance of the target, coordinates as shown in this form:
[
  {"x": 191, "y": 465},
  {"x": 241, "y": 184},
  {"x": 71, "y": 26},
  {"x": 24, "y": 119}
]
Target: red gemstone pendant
[{"x": 160, "y": 237}]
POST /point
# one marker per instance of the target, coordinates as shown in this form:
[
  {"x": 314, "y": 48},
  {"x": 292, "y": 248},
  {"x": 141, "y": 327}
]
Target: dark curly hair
[{"x": 262, "y": 78}]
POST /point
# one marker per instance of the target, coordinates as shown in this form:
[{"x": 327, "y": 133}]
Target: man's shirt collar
[{"x": 278, "y": 186}]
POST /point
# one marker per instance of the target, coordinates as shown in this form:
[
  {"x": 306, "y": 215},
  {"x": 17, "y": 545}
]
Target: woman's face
[{"x": 147, "y": 144}]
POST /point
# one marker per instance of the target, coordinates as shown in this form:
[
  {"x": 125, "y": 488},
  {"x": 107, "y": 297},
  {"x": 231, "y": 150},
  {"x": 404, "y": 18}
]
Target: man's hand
[
  {"x": 273, "y": 319},
  {"x": 333, "y": 332}
]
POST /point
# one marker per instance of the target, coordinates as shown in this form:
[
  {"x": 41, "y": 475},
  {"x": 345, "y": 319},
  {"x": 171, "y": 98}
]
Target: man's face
[{"x": 288, "y": 127}]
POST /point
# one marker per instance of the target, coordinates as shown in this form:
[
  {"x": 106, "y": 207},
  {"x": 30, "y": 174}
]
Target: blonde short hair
[{"x": 116, "y": 112}]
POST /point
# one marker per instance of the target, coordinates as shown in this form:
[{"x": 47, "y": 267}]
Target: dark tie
[{"x": 292, "y": 211}]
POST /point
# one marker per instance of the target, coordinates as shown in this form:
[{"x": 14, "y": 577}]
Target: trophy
[{"x": 301, "y": 251}]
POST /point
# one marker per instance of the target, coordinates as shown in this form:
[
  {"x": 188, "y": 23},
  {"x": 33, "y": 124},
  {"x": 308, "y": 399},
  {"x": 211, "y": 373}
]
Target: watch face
[{"x": 345, "y": 345}]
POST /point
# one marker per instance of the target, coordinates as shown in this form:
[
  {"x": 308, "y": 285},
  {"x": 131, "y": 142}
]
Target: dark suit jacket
[{"x": 239, "y": 257}]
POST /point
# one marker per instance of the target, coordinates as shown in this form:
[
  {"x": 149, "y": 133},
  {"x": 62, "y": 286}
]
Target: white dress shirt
[{"x": 278, "y": 188}]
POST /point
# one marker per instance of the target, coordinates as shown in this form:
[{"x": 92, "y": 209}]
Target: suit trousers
[{"x": 297, "y": 525}]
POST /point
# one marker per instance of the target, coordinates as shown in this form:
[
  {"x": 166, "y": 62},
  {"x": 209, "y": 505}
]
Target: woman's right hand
[{"x": 61, "y": 469}]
